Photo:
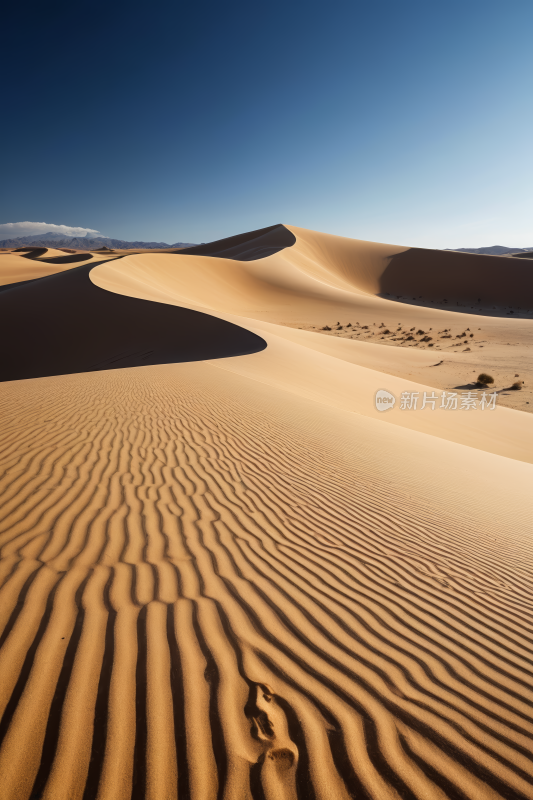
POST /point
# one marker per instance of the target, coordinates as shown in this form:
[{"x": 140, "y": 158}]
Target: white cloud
[{"x": 12, "y": 230}]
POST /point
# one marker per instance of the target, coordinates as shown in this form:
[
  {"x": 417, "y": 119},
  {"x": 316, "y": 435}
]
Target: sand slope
[
  {"x": 292, "y": 285},
  {"x": 16, "y": 266},
  {"x": 64, "y": 323},
  {"x": 232, "y": 579}
]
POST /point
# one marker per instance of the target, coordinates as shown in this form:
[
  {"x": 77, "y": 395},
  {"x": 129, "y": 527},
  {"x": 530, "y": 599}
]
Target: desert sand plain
[{"x": 224, "y": 573}]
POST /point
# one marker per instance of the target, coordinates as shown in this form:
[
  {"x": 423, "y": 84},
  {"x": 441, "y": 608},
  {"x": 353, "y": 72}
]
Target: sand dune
[
  {"x": 233, "y": 578},
  {"x": 291, "y": 285},
  {"x": 247, "y": 246},
  {"x": 64, "y": 324},
  {"x": 16, "y": 266}
]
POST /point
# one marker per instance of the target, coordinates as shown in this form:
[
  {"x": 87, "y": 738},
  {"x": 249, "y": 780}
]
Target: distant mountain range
[
  {"x": 495, "y": 250},
  {"x": 97, "y": 242},
  {"x": 85, "y": 242}
]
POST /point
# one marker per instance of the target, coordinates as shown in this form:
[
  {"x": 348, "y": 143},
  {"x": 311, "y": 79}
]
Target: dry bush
[{"x": 484, "y": 379}]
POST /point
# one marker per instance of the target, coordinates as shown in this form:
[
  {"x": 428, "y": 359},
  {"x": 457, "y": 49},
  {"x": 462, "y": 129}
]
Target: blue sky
[{"x": 408, "y": 123}]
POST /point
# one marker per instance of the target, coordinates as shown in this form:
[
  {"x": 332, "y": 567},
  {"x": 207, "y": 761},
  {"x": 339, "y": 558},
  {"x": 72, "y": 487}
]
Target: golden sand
[{"x": 236, "y": 579}]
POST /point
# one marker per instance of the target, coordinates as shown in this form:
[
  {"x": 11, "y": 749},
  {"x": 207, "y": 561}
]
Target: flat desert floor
[{"x": 224, "y": 572}]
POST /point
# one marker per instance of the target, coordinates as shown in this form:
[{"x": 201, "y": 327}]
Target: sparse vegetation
[
  {"x": 517, "y": 385},
  {"x": 483, "y": 379}
]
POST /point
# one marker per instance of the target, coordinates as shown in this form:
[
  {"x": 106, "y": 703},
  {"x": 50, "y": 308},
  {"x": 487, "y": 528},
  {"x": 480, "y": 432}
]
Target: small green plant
[{"x": 483, "y": 379}]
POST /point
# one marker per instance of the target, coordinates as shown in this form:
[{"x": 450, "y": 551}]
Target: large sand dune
[{"x": 233, "y": 577}]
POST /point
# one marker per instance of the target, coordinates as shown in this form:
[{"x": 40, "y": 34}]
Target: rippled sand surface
[{"x": 218, "y": 581}]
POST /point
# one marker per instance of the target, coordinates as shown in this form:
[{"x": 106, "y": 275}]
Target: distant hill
[
  {"x": 85, "y": 242},
  {"x": 495, "y": 250}
]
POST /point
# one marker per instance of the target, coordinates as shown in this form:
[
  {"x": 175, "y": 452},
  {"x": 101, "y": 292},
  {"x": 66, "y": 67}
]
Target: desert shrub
[
  {"x": 420, "y": 332},
  {"x": 409, "y": 338},
  {"x": 386, "y": 331},
  {"x": 325, "y": 328},
  {"x": 483, "y": 378},
  {"x": 517, "y": 385}
]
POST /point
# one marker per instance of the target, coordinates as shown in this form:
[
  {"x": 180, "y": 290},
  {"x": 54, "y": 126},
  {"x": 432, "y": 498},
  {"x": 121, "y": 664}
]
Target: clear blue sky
[{"x": 403, "y": 122}]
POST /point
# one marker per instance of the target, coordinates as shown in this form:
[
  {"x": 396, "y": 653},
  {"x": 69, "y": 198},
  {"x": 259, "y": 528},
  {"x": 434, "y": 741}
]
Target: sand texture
[{"x": 224, "y": 574}]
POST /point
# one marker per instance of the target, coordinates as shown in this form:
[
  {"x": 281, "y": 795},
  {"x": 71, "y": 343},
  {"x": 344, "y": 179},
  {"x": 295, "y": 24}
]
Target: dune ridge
[
  {"x": 247, "y": 246},
  {"x": 64, "y": 323},
  {"x": 31, "y": 264}
]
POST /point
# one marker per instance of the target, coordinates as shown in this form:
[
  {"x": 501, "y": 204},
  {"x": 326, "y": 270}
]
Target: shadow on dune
[
  {"x": 40, "y": 252},
  {"x": 246, "y": 246},
  {"x": 31, "y": 252},
  {"x": 466, "y": 277},
  {"x": 64, "y": 324},
  {"x": 69, "y": 259}
]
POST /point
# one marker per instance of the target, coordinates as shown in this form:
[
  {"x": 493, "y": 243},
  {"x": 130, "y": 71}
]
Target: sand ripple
[{"x": 196, "y": 601}]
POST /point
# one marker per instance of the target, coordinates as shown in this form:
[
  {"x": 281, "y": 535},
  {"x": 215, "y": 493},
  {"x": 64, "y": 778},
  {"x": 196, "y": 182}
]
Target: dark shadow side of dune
[
  {"x": 246, "y": 246},
  {"x": 34, "y": 253},
  {"x": 63, "y": 324},
  {"x": 69, "y": 259},
  {"x": 466, "y": 277}
]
